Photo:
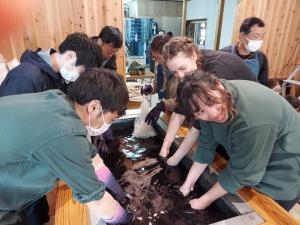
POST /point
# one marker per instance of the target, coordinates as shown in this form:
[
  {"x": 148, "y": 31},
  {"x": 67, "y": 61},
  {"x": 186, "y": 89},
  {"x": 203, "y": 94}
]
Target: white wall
[
  {"x": 133, "y": 8},
  {"x": 208, "y": 9},
  {"x": 167, "y": 14},
  {"x": 228, "y": 22},
  {"x": 205, "y": 9}
]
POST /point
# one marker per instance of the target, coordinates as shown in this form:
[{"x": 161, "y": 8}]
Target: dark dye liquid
[{"x": 152, "y": 187}]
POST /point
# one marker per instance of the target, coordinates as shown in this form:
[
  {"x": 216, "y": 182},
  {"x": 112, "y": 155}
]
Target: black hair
[
  {"x": 111, "y": 35},
  {"x": 88, "y": 53},
  {"x": 250, "y": 22},
  {"x": 100, "y": 84},
  {"x": 294, "y": 101},
  {"x": 273, "y": 82},
  {"x": 170, "y": 33}
]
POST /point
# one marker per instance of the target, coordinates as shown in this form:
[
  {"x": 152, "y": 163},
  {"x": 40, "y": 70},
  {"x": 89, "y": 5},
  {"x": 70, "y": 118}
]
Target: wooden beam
[
  {"x": 183, "y": 21},
  {"x": 219, "y": 24}
]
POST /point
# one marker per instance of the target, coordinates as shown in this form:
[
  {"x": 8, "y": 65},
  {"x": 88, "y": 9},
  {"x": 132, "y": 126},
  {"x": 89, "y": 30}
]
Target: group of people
[
  {"x": 52, "y": 103},
  {"x": 222, "y": 96},
  {"x": 56, "y": 100}
]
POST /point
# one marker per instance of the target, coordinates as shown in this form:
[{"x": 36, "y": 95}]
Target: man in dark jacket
[
  {"x": 47, "y": 69},
  {"x": 251, "y": 36},
  {"x": 110, "y": 40}
]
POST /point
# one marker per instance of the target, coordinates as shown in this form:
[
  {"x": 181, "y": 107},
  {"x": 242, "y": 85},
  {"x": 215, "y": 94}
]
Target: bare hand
[
  {"x": 173, "y": 161},
  {"x": 200, "y": 203},
  {"x": 186, "y": 189}
]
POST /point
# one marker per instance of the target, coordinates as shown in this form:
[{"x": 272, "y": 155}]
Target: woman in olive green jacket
[{"x": 259, "y": 130}]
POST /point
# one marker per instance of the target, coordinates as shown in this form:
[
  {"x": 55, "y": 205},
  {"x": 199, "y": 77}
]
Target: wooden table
[
  {"x": 142, "y": 77},
  {"x": 70, "y": 212}
]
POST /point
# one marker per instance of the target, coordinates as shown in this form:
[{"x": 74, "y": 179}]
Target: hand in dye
[
  {"x": 173, "y": 161},
  {"x": 200, "y": 203},
  {"x": 185, "y": 189}
]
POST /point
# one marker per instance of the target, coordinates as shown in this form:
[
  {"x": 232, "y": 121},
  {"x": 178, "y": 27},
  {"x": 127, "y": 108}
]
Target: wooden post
[
  {"x": 183, "y": 21},
  {"x": 122, "y": 56},
  {"x": 219, "y": 24}
]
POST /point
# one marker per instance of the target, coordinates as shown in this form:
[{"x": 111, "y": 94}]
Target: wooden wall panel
[
  {"x": 51, "y": 21},
  {"x": 282, "y": 40}
]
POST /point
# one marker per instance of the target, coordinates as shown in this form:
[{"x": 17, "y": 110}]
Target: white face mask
[
  {"x": 97, "y": 131},
  {"x": 68, "y": 72},
  {"x": 253, "y": 45}
]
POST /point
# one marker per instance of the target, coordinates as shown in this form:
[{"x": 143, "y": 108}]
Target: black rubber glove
[
  {"x": 146, "y": 89},
  {"x": 153, "y": 115},
  {"x": 101, "y": 145}
]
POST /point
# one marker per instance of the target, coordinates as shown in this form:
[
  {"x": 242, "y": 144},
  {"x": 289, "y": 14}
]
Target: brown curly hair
[
  {"x": 199, "y": 85},
  {"x": 184, "y": 45}
]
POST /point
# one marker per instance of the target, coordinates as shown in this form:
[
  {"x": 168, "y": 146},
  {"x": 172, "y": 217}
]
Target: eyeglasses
[
  {"x": 112, "y": 49},
  {"x": 115, "y": 51},
  {"x": 157, "y": 58}
]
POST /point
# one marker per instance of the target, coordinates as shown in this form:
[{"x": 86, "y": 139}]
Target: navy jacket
[{"x": 32, "y": 75}]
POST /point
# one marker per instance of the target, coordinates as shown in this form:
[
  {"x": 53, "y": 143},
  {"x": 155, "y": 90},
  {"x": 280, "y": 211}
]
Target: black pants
[
  {"x": 36, "y": 213},
  {"x": 287, "y": 205}
]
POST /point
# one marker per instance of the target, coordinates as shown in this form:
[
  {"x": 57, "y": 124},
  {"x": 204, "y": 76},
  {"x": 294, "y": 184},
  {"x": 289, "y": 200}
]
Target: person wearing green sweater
[
  {"x": 259, "y": 130},
  {"x": 43, "y": 138}
]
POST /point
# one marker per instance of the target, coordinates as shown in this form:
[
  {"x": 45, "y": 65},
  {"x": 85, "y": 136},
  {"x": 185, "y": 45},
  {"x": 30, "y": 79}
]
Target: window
[{"x": 196, "y": 29}]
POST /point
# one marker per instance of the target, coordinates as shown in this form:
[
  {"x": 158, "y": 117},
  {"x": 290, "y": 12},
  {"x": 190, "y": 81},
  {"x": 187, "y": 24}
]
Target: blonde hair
[{"x": 184, "y": 45}]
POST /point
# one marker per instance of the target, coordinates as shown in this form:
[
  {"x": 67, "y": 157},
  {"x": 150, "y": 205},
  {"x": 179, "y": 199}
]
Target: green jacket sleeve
[
  {"x": 69, "y": 158},
  {"x": 205, "y": 152},
  {"x": 251, "y": 150}
]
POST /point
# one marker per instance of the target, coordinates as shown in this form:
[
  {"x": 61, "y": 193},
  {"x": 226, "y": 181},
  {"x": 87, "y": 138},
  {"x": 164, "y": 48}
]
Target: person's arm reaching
[
  {"x": 185, "y": 147},
  {"x": 105, "y": 175},
  {"x": 174, "y": 125},
  {"x": 71, "y": 158},
  {"x": 252, "y": 149},
  {"x": 193, "y": 175},
  {"x": 217, "y": 191},
  {"x": 107, "y": 208}
]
